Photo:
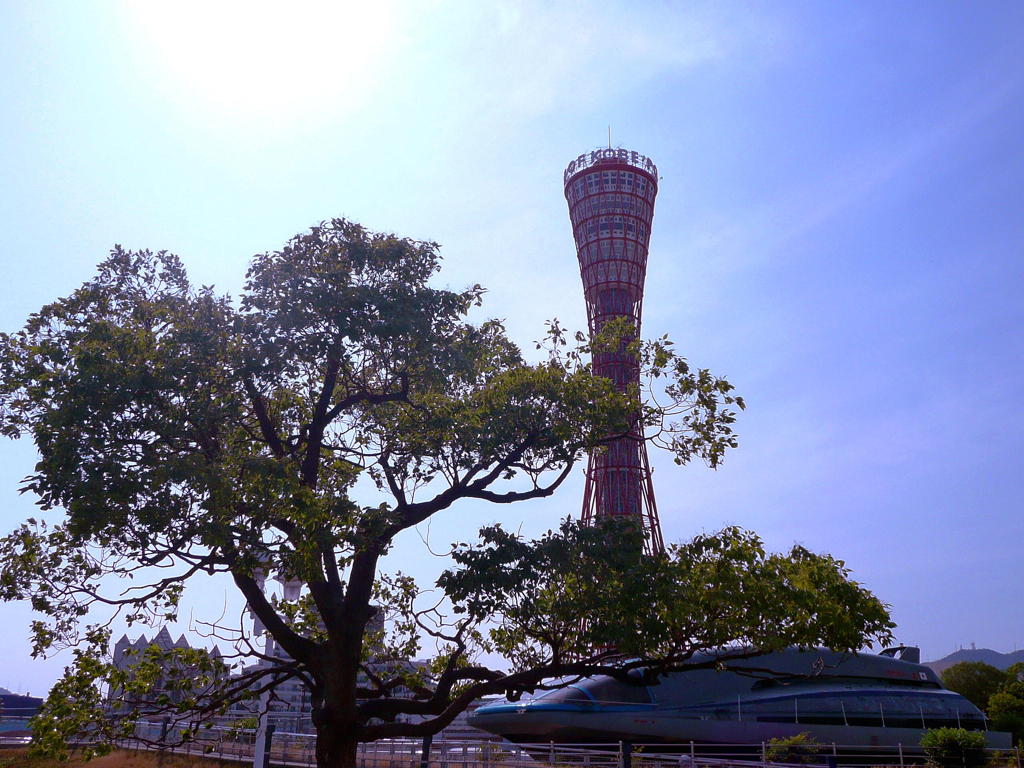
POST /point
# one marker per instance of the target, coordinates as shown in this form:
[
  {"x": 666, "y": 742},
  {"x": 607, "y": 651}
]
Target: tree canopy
[
  {"x": 1006, "y": 705},
  {"x": 999, "y": 692},
  {"x": 295, "y": 433},
  {"x": 976, "y": 681}
]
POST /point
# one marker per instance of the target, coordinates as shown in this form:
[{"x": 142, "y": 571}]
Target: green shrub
[
  {"x": 801, "y": 748},
  {"x": 954, "y": 748}
]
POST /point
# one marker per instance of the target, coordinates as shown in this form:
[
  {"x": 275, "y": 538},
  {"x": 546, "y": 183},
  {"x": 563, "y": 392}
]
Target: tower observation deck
[{"x": 611, "y": 206}]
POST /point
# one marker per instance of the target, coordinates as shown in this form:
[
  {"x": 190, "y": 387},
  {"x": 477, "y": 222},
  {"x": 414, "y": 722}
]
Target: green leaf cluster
[
  {"x": 1000, "y": 693},
  {"x": 1006, "y": 705},
  {"x": 557, "y": 598},
  {"x": 954, "y": 748},
  {"x": 976, "y": 681},
  {"x": 800, "y": 749}
]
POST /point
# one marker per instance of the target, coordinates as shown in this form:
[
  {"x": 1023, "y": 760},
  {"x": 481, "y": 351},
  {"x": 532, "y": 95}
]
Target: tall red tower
[{"x": 611, "y": 206}]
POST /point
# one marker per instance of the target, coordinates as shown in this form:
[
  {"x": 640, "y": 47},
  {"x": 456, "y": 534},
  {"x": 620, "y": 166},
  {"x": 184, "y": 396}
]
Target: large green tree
[
  {"x": 343, "y": 400},
  {"x": 976, "y": 681},
  {"x": 1006, "y": 705}
]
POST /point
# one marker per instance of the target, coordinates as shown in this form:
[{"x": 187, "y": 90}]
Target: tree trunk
[{"x": 333, "y": 750}]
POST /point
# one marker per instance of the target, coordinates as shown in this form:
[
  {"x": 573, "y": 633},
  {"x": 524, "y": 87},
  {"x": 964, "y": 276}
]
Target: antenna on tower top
[{"x": 609, "y": 137}]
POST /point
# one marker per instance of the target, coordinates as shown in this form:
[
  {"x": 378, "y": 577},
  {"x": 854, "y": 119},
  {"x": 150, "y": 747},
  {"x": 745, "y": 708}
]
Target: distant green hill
[{"x": 987, "y": 655}]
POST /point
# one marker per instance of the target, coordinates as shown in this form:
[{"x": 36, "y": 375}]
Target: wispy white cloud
[{"x": 524, "y": 59}]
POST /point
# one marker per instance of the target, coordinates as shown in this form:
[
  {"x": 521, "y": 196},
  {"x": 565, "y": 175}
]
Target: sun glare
[{"x": 278, "y": 62}]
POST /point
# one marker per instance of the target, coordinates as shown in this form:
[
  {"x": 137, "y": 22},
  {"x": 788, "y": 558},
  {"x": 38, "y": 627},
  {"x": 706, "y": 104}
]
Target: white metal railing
[{"x": 298, "y": 750}]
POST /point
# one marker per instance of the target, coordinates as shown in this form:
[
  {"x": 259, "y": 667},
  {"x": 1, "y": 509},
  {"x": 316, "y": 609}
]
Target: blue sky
[{"x": 838, "y": 230}]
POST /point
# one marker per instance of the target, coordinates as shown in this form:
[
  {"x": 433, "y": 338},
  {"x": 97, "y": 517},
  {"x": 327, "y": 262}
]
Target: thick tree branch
[
  {"x": 298, "y": 647},
  {"x": 365, "y": 396},
  {"x": 413, "y": 514},
  {"x": 259, "y": 407}
]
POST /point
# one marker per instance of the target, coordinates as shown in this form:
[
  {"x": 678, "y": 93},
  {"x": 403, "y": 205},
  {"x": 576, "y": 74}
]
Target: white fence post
[{"x": 260, "y": 737}]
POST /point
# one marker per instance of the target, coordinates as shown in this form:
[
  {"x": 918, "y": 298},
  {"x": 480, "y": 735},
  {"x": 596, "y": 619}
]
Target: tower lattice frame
[{"x": 611, "y": 195}]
